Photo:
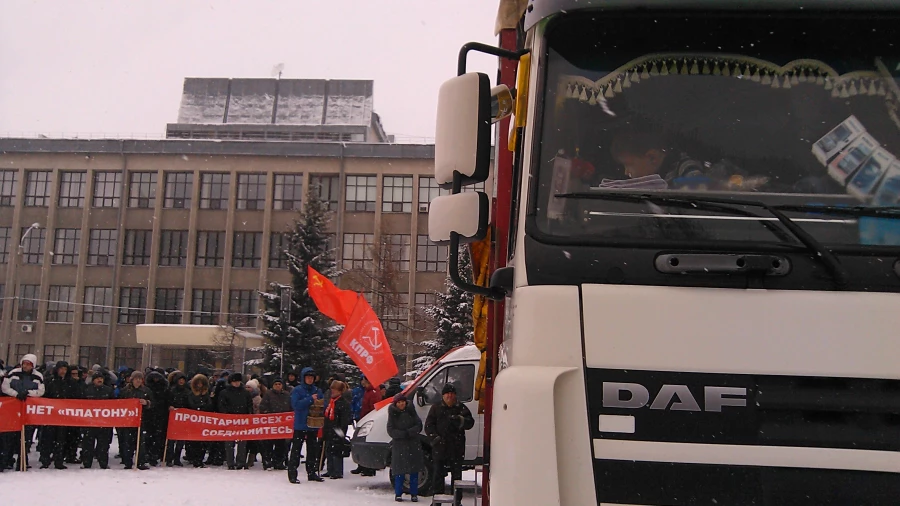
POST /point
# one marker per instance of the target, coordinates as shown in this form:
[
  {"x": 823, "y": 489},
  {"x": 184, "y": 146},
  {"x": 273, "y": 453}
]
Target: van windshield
[{"x": 789, "y": 110}]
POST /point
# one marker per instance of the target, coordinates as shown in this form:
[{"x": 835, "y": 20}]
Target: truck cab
[{"x": 371, "y": 445}]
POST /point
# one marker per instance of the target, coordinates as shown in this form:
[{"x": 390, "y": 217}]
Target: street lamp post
[{"x": 13, "y": 281}]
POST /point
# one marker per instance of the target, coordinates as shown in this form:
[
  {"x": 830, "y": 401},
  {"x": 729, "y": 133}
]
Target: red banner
[
  {"x": 10, "y": 414},
  {"x": 83, "y": 413},
  {"x": 364, "y": 341},
  {"x": 190, "y": 425}
]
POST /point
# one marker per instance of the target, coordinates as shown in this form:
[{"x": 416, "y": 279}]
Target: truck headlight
[{"x": 365, "y": 428}]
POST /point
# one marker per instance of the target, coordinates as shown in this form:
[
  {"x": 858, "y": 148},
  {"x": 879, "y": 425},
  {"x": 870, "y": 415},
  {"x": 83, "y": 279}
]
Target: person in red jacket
[{"x": 370, "y": 398}]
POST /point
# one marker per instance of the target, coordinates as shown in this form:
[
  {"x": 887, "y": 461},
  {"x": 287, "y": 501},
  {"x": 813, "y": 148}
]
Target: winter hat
[
  {"x": 399, "y": 397},
  {"x": 448, "y": 389},
  {"x": 30, "y": 357},
  {"x": 277, "y": 379},
  {"x": 253, "y": 383},
  {"x": 137, "y": 375},
  {"x": 236, "y": 377},
  {"x": 61, "y": 364},
  {"x": 96, "y": 375}
]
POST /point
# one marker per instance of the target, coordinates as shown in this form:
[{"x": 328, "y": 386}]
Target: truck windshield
[{"x": 790, "y": 110}]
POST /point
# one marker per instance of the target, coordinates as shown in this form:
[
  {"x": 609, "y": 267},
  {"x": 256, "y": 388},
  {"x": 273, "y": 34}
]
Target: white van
[{"x": 371, "y": 445}]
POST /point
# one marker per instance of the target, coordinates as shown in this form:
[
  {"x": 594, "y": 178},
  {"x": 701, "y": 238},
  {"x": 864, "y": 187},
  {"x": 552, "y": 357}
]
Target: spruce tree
[
  {"x": 451, "y": 315},
  {"x": 309, "y": 337}
]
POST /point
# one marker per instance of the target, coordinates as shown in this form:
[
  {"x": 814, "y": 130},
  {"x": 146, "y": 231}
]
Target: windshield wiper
[
  {"x": 823, "y": 254},
  {"x": 874, "y": 212}
]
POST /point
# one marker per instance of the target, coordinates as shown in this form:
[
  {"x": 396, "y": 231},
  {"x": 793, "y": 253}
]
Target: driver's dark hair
[{"x": 637, "y": 142}]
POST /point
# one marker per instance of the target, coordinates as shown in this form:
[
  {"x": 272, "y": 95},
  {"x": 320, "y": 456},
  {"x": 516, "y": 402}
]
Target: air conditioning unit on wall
[
  {"x": 27, "y": 328},
  {"x": 423, "y": 208}
]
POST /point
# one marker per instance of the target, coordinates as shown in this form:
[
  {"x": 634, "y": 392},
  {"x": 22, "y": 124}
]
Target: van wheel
[{"x": 425, "y": 478}]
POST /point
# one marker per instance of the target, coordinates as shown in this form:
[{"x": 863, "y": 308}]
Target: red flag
[
  {"x": 364, "y": 341},
  {"x": 333, "y": 302}
]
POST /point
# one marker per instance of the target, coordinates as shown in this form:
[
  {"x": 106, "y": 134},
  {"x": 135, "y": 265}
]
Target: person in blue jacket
[
  {"x": 356, "y": 402},
  {"x": 302, "y": 397}
]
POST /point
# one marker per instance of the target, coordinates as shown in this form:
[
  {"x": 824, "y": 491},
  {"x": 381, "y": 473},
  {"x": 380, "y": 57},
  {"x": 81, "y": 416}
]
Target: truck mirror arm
[{"x": 484, "y": 48}]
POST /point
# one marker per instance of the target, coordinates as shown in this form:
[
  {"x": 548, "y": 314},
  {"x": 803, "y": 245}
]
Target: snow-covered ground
[{"x": 173, "y": 486}]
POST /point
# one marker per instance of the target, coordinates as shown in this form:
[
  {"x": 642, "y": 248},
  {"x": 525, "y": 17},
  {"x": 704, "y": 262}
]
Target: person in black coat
[
  {"x": 96, "y": 440},
  {"x": 178, "y": 395},
  {"x": 337, "y": 419},
  {"x": 53, "y": 438},
  {"x": 159, "y": 416},
  {"x": 136, "y": 390},
  {"x": 236, "y": 400},
  {"x": 198, "y": 400},
  {"x": 407, "y": 458},
  {"x": 447, "y": 422},
  {"x": 276, "y": 400},
  {"x": 73, "y": 437}
]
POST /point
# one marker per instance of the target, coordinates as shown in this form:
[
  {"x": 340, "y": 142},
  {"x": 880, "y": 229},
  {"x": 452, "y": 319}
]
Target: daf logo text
[{"x": 671, "y": 397}]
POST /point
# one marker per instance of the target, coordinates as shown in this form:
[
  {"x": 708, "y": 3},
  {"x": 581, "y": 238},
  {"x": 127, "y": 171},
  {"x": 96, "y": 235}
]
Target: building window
[
  {"x": 33, "y": 245},
  {"x": 423, "y": 301},
  {"x": 132, "y": 305},
  {"x": 37, "y": 188},
  {"x": 60, "y": 307},
  {"x": 92, "y": 355},
  {"x": 393, "y": 309},
  {"x": 278, "y": 244},
  {"x": 2, "y": 297},
  {"x": 397, "y": 194},
  {"x": 288, "y": 191},
  {"x": 107, "y": 189},
  {"x": 169, "y": 302},
  {"x": 477, "y": 187},
  {"x": 66, "y": 246},
  {"x": 55, "y": 353},
  {"x": 28, "y": 303},
  {"x": 252, "y": 191},
  {"x": 214, "y": 191},
  {"x": 428, "y": 190},
  {"x": 102, "y": 247},
  {"x": 328, "y": 189},
  {"x": 398, "y": 251},
  {"x": 142, "y": 191},
  {"x": 98, "y": 301},
  {"x": 137, "y": 247},
  {"x": 128, "y": 357},
  {"x": 361, "y": 193},
  {"x": 5, "y": 244},
  {"x": 247, "y": 249},
  {"x": 71, "y": 189},
  {"x": 173, "y": 248},
  {"x": 23, "y": 349},
  {"x": 242, "y": 308},
  {"x": 179, "y": 186},
  {"x": 210, "y": 249},
  {"x": 358, "y": 251},
  {"x": 429, "y": 256},
  {"x": 9, "y": 188},
  {"x": 206, "y": 307}
]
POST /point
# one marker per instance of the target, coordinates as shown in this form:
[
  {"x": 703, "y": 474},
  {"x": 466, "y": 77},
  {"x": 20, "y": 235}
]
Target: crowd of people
[{"x": 301, "y": 393}]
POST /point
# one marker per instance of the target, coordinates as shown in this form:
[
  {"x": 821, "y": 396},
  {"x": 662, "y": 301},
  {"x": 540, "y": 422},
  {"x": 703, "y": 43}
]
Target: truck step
[
  {"x": 443, "y": 499},
  {"x": 465, "y": 485}
]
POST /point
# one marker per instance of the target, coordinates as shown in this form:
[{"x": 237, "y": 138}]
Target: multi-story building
[{"x": 168, "y": 231}]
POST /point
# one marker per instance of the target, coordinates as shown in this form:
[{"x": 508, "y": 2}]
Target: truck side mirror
[
  {"x": 467, "y": 214},
  {"x": 420, "y": 396},
  {"x": 462, "y": 141}
]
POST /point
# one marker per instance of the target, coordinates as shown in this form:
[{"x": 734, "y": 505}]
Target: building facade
[{"x": 188, "y": 231}]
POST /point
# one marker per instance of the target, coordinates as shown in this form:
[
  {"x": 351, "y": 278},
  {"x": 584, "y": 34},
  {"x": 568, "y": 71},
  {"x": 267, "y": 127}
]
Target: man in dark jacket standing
[
  {"x": 447, "y": 422},
  {"x": 276, "y": 400},
  {"x": 236, "y": 400},
  {"x": 96, "y": 440},
  {"x": 178, "y": 397},
  {"x": 130, "y": 444},
  {"x": 302, "y": 397},
  {"x": 53, "y": 438},
  {"x": 158, "y": 415}
]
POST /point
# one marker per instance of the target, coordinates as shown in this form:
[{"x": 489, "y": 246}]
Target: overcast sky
[{"x": 79, "y": 66}]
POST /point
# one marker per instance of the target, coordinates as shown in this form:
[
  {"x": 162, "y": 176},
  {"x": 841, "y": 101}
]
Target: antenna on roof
[{"x": 277, "y": 70}]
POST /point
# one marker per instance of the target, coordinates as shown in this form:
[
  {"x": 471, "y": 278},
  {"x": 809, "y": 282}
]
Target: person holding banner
[
  {"x": 302, "y": 397},
  {"x": 178, "y": 395},
  {"x": 53, "y": 439},
  {"x": 234, "y": 400},
  {"x": 132, "y": 439},
  {"x": 198, "y": 400},
  {"x": 96, "y": 440},
  {"x": 276, "y": 400},
  {"x": 21, "y": 383}
]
